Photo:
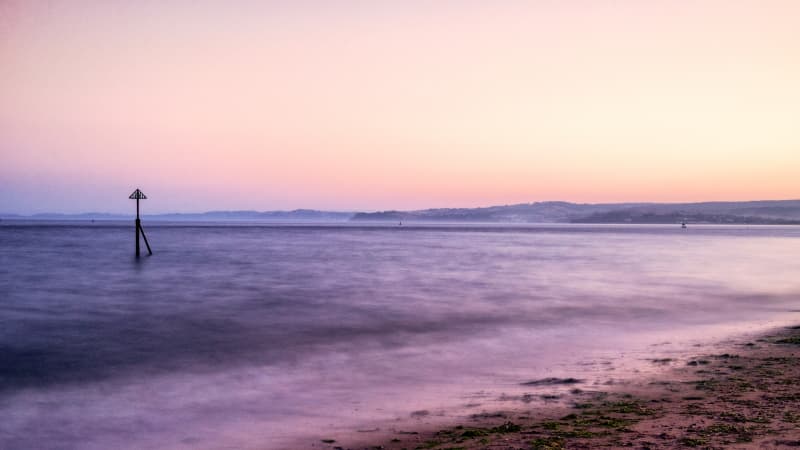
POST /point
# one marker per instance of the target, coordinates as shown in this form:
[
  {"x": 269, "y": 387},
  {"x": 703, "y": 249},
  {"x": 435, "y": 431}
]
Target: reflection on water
[{"x": 254, "y": 336}]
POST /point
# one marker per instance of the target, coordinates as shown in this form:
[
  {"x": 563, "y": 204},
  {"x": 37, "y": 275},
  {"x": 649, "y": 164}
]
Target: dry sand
[{"x": 746, "y": 398}]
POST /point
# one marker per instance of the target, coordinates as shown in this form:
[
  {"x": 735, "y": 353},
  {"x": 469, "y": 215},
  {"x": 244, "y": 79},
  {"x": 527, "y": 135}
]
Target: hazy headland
[{"x": 765, "y": 212}]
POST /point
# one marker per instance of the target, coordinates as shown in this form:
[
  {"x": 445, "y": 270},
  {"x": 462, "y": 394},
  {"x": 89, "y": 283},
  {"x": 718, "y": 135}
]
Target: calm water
[{"x": 278, "y": 336}]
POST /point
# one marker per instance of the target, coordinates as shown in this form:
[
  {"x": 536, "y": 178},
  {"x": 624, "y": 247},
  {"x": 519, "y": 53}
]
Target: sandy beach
[{"x": 747, "y": 397}]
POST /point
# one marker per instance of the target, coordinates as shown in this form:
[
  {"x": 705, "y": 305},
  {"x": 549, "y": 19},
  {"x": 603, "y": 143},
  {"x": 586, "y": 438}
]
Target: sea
[{"x": 279, "y": 336}]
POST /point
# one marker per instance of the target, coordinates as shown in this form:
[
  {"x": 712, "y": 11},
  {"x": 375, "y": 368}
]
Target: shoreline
[{"x": 747, "y": 397}]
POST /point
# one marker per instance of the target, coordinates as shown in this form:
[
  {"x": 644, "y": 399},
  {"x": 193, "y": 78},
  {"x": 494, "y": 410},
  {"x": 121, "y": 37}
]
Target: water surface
[{"x": 265, "y": 336}]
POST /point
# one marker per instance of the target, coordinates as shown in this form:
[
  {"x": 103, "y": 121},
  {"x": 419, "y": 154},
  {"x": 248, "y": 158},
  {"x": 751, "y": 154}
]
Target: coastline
[{"x": 747, "y": 397}]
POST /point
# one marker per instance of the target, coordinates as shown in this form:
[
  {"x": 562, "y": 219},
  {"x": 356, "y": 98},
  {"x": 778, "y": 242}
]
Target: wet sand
[{"x": 747, "y": 397}]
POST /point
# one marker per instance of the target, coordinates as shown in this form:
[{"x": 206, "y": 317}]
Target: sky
[{"x": 353, "y": 105}]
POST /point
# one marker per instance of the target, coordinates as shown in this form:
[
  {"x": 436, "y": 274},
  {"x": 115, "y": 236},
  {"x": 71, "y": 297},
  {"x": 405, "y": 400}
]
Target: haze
[{"x": 345, "y": 105}]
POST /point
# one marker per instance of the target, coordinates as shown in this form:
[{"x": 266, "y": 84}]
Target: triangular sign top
[{"x": 137, "y": 194}]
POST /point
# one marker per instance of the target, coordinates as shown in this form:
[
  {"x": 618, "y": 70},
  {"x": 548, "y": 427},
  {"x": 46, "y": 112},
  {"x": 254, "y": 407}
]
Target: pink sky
[{"x": 351, "y": 105}]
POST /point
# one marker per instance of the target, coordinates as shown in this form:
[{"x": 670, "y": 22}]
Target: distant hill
[
  {"x": 298, "y": 215},
  {"x": 520, "y": 213},
  {"x": 756, "y": 212},
  {"x": 753, "y": 212}
]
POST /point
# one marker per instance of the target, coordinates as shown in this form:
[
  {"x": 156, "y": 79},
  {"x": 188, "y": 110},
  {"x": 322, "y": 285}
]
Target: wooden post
[
  {"x": 145, "y": 239},
  {"x": 138, "y": 225},
  {"x": 137, "y": 237}
]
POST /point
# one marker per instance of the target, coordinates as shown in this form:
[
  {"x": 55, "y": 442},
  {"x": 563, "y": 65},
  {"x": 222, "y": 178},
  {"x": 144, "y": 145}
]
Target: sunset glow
[{"x": 395, "y": 105}]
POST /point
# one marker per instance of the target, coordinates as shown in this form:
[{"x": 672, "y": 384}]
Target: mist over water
[{"x": 268, "y": 336}]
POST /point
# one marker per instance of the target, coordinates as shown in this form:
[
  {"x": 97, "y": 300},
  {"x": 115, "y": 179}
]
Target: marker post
[{"x": 139, "y": 195}]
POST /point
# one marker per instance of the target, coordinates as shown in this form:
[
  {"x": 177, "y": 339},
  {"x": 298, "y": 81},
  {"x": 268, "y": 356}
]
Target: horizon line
[{"x": 357, "y": 211}]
